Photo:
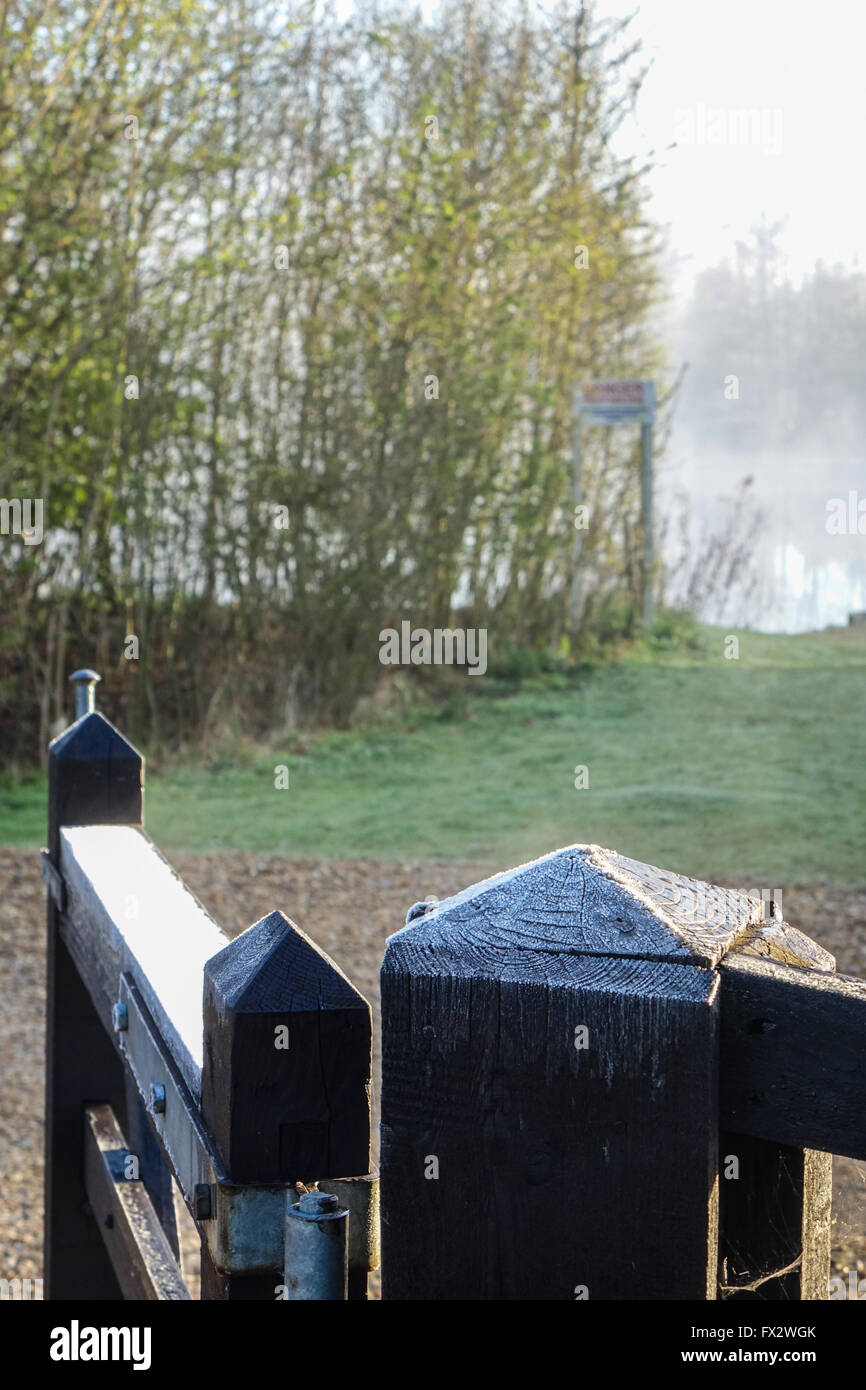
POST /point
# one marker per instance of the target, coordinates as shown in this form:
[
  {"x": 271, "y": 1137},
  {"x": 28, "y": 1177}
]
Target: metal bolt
[
  {"x": 120, "y": 1015},
  {"x": 421, "y": 909},
  {"x": 202, "y": 1201},
  {"x": 157, "y": 1098},
  {"x": 85, "y": 691},
  {"x": 318, "y": 1204}
]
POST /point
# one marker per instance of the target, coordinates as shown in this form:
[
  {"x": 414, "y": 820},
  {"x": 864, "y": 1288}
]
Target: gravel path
[{"x": 348, "y": 908}]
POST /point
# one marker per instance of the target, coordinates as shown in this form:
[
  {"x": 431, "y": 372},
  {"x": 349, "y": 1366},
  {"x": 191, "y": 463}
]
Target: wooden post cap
[
  {"x": 287, "y": 1058},
  {"x": 592, "y": 901},
  {"x": 96, "y": 777}
]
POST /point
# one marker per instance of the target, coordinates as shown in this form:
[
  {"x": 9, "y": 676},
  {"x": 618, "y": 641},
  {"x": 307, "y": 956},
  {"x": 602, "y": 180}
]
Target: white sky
[
  {"x": 802, "y": 64},
  {"x": 801, "y": 67}
]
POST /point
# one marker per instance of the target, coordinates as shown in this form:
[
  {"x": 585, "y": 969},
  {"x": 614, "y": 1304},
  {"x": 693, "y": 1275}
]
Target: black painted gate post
[
  {"x": 551, "y": 1059},
  {"x": 285, "y": 1090},
  {"x": 95, "y": 777}
]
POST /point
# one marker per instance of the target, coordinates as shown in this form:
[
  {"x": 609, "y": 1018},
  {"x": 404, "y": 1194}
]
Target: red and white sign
[{"x": 608, "y": 401}]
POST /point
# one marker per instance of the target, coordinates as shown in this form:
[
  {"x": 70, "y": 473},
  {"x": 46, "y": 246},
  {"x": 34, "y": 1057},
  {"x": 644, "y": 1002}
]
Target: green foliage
[
  {"x": 673, "y": 628},
  {"x": 243, "y": 269}
]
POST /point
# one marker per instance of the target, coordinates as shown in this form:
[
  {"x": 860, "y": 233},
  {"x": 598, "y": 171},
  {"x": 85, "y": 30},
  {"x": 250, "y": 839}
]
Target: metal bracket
[
  {"x": 245, "y": 1228},
  {"x": 243, "y": 1225}
]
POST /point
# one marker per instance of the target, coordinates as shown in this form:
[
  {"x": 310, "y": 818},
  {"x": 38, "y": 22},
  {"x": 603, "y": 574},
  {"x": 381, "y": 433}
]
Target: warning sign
[{"x": 606, "y": 402}]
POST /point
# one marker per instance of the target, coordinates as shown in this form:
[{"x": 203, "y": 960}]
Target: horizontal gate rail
[
  {"x": 793, "y": 1055},
  {"x": 140, "y": 1253}
]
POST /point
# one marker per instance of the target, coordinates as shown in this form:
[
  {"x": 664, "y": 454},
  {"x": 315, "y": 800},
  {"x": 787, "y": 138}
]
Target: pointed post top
[
  {"x": 84, "y": 682},
  {"x": 274, "y": 967},
  {"x": 586, "y": 900},
  {"x": 287, "y": 1050},
  {"x": 95, "y": 776}
]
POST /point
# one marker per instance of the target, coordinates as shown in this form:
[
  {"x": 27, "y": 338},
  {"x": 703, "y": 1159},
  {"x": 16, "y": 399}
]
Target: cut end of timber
[
  {"x": 274, "y": 967},
  {"x": 587, "y": 900}
]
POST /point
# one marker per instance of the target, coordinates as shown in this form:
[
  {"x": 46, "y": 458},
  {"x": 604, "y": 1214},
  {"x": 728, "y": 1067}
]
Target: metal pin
[
  {"x": 157, "y": 1097},
  {"x": 85, "y": 691},
  {"x": 316, "y": 1250}
]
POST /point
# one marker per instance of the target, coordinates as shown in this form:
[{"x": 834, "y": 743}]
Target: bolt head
[
  {"x": 120, "y": 1015},
  {"x": 421, "y": 909},
  {"x": 318, "y": 1203},
  {"x": 157, "y": 1098}
]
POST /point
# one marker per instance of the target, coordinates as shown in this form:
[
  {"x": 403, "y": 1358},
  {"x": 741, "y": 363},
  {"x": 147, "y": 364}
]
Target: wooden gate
[{"x": 600, "y": 1081}]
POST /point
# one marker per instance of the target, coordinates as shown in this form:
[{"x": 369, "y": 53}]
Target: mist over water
[
  {"x": 802, "y": 577},
  {"x": 774, "y": 391},
  {"x": 763, "y": 221}
]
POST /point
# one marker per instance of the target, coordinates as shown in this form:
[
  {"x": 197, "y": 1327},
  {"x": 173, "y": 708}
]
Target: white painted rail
[{"x": 128, "y": 911}]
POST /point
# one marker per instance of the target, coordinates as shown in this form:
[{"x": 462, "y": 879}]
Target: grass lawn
[{"x": 750, "y": 767}]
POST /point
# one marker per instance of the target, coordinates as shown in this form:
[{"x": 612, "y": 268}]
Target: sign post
[{"x": 611, "y": 403}]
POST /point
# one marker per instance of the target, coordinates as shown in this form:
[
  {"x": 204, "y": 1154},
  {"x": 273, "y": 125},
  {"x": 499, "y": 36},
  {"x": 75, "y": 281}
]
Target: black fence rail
[{"x": 599, "y": 1081}]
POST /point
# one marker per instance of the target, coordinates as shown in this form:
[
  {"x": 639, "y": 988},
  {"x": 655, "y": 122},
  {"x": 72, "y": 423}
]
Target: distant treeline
[{"x": 292, "y": 315}]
